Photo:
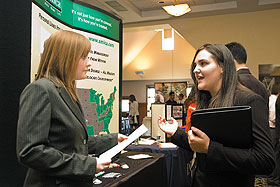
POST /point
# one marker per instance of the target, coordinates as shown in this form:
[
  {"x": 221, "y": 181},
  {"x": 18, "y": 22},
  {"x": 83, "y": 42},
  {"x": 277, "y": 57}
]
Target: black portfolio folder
[{"x": 231, "y": 126}]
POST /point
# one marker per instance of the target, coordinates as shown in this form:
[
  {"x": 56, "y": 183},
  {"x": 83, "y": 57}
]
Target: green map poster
[
  {"x": 98, "y": 110},
  {"x": 99, "y": 92}
]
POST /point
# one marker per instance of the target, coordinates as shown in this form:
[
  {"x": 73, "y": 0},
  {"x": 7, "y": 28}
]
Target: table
[
  {"x": 176, "y": 162},
  {"x": 150, "y": 172}
]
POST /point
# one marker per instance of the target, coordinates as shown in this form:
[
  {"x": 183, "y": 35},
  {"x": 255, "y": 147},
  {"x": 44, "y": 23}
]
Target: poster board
[
  {"x": 164, "y": 88},
  {"x": 157, "y": 109},
  {"x": 100, "y": 91},
  {"x": 269, "y": 75},
  {"x": 175, "y": 111}
]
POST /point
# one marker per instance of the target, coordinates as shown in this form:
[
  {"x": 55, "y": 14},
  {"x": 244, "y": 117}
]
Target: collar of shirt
[{"x": 242, "y": 68}]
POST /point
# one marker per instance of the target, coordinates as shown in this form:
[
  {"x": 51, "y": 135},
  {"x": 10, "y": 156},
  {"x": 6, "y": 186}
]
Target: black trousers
[
  {"x": 134, "y": 125},
  {"x": 274, "y": 178}
]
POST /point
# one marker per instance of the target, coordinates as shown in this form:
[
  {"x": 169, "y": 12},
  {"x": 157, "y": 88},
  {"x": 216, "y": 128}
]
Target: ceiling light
[{"x": 177, "y": 9}]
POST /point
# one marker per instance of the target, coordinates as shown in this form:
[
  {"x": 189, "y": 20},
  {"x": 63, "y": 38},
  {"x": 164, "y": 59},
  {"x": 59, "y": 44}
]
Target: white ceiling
[
  {"x": 141, "y": 17},
  {"x": 135, "y": 11}
]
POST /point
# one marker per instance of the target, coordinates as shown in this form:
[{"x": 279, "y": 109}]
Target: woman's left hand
[
  {"x": 121, "y": 138},
  {"x": 199, "y": 141}
]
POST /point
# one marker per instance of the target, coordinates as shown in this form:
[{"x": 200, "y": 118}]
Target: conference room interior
[
  {"x": 146, "y": 25},
  {"x": 256, "y": 26}
]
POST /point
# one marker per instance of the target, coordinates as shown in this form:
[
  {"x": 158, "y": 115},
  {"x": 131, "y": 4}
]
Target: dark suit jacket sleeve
[
  {"x": 34, "y": 148},
  {"x": 277, "y": 120},
  {"x": 180, "y": 138},
  {"x": 101, "y": 143},
  {"x": 257, "y": 160}
]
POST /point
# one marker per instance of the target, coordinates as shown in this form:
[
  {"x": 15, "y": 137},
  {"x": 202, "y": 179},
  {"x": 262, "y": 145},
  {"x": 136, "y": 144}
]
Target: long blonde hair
[{"x": 59, "y": 60}]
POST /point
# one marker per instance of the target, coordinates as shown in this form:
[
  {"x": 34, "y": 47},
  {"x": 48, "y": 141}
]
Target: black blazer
[
  {"x": 52, "y": 139},
  {"x": 249, "y": 81},
  {"x": 277, "y": 118},
  {"x": 231, "y": 167}
]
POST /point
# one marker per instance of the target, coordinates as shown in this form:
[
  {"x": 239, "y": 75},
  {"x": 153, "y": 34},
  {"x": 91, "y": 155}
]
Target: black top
[
  {"x": 170, "y": 102},
  {"x": 249, "y": 81},
  {"x": 277, "y": 118},
  {"x": 227, "y": 166}
]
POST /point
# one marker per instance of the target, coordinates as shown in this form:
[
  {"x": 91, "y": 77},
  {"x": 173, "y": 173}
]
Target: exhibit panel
[
  {"x": 157, "y": 110},
  {"x": 100, "y": 91}
]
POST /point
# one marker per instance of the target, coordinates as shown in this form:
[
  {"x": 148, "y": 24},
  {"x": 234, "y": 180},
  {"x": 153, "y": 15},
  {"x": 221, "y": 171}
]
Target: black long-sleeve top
[{"x": 226, "y": 166}]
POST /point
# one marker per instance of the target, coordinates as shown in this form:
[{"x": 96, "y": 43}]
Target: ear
[{"x": 222, "y": 69}]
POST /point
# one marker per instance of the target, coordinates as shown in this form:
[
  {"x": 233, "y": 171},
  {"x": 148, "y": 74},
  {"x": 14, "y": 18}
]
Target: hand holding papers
[{"x": 119, "y": 147}]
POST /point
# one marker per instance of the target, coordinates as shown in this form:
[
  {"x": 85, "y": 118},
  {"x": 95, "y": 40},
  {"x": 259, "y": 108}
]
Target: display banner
[{"x": 100, "y": 91}]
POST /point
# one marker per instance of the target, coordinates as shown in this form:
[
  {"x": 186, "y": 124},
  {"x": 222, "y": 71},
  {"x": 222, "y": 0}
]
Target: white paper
[
  {"x": 119, "y": 147},
  {"x": 167, "y": 145},
  {"x": 139, "y": 156},
  {"x": 168, "y": 112},
  {"x": 146, "y": 142}
]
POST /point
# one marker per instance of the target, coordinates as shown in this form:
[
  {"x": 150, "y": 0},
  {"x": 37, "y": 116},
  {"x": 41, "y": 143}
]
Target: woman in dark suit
[
  {"x": 216, "y": 85},
  {"x": 52, "y": 139}
]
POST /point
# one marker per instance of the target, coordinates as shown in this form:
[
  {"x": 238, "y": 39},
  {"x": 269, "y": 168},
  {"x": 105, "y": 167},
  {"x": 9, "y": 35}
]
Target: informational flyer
[{"x": 119, "y": 147}]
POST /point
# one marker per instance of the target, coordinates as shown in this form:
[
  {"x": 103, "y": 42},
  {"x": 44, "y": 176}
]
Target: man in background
[
  {"x": 157, "y": 99},
  {"x": 277, "y": 136},
  {"x": 171, "y": 99},
  {"x": 243, "y": 72},
  {"x": 248, "y": 80},
  {"x": 274, "y": 178},
  {"x": 181, "y": 99}
]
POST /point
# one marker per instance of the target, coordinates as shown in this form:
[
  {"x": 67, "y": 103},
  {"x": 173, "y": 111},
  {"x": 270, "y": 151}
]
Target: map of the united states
[{"x": 98, "y": 111}]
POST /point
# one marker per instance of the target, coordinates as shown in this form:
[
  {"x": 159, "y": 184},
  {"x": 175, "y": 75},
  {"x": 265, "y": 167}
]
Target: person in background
[
  {"x": 190, "y": 105},
  {"x": 273, "y": 179},
  {"x": 277, "y": 136},
  {"x": 245, "y": 77},
  {"x": 160, "y": 95},
  {"x": 157, "y": 99},
  {"x": 52, "y": 138},
  {"x": 181, "y": 99},
  {"x": 272, "y": 101},
  {"x": 133, "y": 113},
  {"x": 171, "y": 99},
  {"x": 215, "y": 80}
]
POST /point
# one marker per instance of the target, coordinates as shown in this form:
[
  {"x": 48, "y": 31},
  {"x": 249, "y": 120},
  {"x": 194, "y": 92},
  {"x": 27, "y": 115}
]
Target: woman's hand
[
  {"x": 199, "y": 142},
  {"x": 168, "y": 128},
  {"x": 102, "y": 164},
  {"x": 121, "y": 138}
]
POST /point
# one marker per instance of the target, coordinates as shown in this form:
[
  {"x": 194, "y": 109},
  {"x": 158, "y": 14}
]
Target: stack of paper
[
  {"x": 146, "y": 141},
  {"x": 139, "y": 156},
  {"x": 167, "y": 145}
]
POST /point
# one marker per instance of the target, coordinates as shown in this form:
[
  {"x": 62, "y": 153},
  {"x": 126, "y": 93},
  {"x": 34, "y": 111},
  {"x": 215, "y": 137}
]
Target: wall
[
  {"x": 159, "y": 64},
  {"x": 257, "y": 31},
  {"x": 15, "y": 24}
]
